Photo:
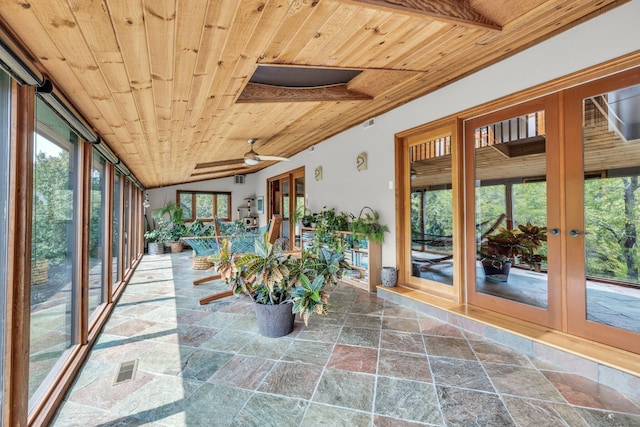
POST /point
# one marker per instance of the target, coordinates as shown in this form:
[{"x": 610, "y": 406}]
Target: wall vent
[
  {"x": 239, "y": 179},
  {"x": 369, "y": 123}
]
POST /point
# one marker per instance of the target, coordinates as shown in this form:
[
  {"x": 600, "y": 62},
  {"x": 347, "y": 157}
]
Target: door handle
[
  {"x": 574, "y": 233},
  {"x": 554, "y": 231}
]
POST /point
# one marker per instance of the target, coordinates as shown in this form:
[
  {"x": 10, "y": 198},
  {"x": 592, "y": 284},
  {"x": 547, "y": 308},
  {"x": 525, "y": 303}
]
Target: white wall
[
  {"x": 603, "y": 38},
  {"x": 159, "y": 197}
]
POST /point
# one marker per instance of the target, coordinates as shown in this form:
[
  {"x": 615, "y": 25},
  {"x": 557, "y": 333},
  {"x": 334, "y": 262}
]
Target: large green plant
[
  {"x": 368, "y": 226},
  {"x": 169, "y": 220},
  {"x": 272, "y": 277}
]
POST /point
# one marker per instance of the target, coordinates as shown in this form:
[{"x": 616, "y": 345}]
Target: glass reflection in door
[
  {"x": 611, "y": 137},
  {"x": 511, "y": 210},
  {"x": 431, "y": 207}
]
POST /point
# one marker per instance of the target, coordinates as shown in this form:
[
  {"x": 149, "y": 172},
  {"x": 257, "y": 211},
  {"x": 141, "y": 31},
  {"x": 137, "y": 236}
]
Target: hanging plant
[{"x": 367, "y": 226}]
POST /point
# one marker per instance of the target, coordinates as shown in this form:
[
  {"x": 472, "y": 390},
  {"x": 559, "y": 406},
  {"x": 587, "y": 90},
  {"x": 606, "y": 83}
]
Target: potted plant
[
  {"x": 328, "y": 224},
  {"x": 155, "y": 239},
  {"x": 521, "y": 245},
  {"x": 367, "y": 226},
  {"x": 279, "y": 284},
  {"x": 169, "y": 220}
]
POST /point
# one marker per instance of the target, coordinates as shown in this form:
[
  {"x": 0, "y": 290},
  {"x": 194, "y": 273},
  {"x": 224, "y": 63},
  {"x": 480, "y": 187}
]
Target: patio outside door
[
  {"x": 513, "y": 170},
  {"x": 603, "y": 268}
]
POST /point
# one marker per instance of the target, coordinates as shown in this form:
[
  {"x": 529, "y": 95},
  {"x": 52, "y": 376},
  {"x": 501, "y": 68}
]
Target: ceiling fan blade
[
  {"x": 219, "y": 163},
  {"x": 276, "y": 158}
]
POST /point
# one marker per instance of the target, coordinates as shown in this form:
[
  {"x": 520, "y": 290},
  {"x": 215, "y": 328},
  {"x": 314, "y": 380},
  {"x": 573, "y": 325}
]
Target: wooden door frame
[
  {"x": 552, "y": 316},
  {"x": 577, "y": 323},
  {"x": 403, "y": 142},
  {"x": 290, "y": 176}
]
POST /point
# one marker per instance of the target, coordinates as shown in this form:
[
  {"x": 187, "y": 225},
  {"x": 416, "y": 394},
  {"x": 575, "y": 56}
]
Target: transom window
[{"x": 205, "y": 205}]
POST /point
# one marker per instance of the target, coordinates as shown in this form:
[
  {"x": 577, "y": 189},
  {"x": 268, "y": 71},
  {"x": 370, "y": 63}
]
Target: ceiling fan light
[{"x": 251, "y": 161}]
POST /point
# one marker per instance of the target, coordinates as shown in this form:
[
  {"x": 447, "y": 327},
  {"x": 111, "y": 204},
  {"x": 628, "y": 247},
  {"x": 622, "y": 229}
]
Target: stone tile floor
[{"x": 370, "y": 362}]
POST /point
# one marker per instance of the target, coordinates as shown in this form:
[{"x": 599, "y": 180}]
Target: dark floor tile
[
  {"x": 597, "y": 418},
  {"x": 268, "y": 410},
  {"x": 346, "y": 389},
  {"x": 359, "y": 336},
  {"x": 460, "y": 373},
  {"x": 393, "y": 340},
  {"x": 243, "y": 371},
  {"x": 404, "y": 365},
  {"x": 202, "y": 364},
  {"x": 292, "y": 379},
  {"x": 462, "y": 407},
  {"x": 330, "y": 416},
  {"x": 308, "y": 352},
  {"x": 581, "y": 391},
  {"x": 449, "y": 347},
  {"x": 529, "y": 412},
  {"x": 430, "y": 326},
  {"x": 399, "y": 324},
  {"x": 523, "y": 382},
  {"x": 494, "y": 353},
  {"x": 364, "y": 321},
  {"x": 382, "y": 421},
  {"x": 356, "y": 359},
  {"x": 210, "y": 405},
  {"x": 407, "y": 400}
]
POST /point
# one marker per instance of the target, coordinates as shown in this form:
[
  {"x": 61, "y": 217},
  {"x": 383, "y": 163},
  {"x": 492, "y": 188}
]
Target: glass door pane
[
  {"x": 299, "y": 208},
  {"x": 431, "y": 209},
  {"x": 515, "y": 175},
  {"x": 611, "y": 143},
  {"x": 511, "y": 209}
]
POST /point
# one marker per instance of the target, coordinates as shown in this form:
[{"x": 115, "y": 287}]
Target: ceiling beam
[
  {"x": 456, "y": 11},
  {"x": 254, "y": 92}
]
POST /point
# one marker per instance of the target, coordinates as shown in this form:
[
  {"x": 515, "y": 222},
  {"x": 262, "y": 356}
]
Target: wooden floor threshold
[{"x": 613, "y": 357}]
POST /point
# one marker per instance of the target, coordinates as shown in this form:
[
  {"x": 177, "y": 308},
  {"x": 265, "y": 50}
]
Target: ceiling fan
[{"x": 251, "y": 158}]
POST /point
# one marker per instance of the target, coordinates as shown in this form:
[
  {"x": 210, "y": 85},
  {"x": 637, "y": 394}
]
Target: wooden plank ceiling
[{"x": 162, "y": 81}]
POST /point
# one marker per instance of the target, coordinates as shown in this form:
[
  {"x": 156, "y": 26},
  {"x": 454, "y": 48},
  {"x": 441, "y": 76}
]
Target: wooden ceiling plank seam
[
  {"x": 160, "y": 27},
  {"x": 458, "y": 12},
  {"x": 129, "y": 28},
  {"x": 294, "y": 20},
  {"x": 364, "y": 33},
  {"x": 190, "y": 22},
  {"x": 371, "y": 48},
  {"x": 190, "y": 132},
  {"x": 48, "y": 52},
  {"x": 300, "y": 36},
  {"x": 94, "y": 23},
  {"x": 335, "y": 26},
  {"x": 407, "y": 41},
  {"x": 247, "y": 54}
]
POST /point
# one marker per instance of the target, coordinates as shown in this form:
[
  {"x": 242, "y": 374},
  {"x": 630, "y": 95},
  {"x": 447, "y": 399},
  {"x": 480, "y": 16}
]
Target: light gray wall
[
  {"x": 159, "y": 197},
  {"x": 605, "y": 37}
]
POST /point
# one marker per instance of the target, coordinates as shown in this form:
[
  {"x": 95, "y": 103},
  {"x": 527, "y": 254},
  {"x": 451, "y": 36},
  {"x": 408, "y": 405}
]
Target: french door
[
  {"x": 603, "y": 210},
  {"x": 553, "y": 211},
  {"x": 512, "y": 180},
  {"x": 286, "y": 197}
]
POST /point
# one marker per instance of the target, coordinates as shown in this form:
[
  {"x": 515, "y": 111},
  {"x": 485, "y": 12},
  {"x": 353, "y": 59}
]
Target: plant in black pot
[
  {"x": 279, "y": 284},
  {"x": 521, "y": 245}
]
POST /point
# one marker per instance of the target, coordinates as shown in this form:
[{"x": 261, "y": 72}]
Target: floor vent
[{"x": 126, "y": 371}]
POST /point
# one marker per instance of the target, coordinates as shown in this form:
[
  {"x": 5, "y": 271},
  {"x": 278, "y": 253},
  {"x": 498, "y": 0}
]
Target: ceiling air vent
[
  {"x": 369, "y": 123},
  {"x": 239, "y": 179}
]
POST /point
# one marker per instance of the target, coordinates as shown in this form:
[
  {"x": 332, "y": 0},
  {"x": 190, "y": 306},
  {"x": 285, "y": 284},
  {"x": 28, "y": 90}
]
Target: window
[
  {"x": 54, "y": 249},
  {"x": 97, "y": 231},
  {"x": 205, "y": 205}
]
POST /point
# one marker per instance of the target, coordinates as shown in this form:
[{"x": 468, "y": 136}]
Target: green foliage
[
  {"x": 367, "y": 226},
  {"x": 169, "y": 221},
  {"x": 328, "y": 224},
  {"x": 272, "y": 277},
  {"x": 53, "y": 207}
]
